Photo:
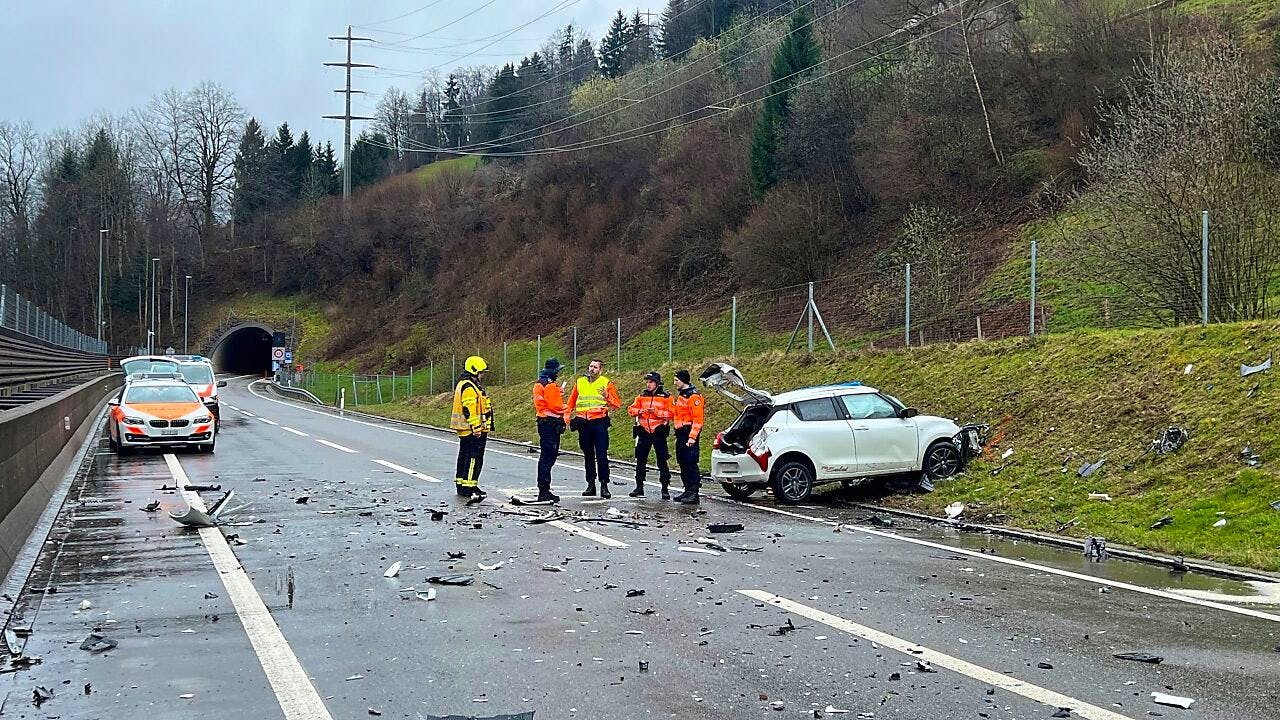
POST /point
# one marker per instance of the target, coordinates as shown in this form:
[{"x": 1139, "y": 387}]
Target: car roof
[
  {"x": 159, "y": 382},
  {"x": 817, "y": 391}
]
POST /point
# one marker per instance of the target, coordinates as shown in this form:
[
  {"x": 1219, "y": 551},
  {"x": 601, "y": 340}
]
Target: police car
[{"x": 159, "y": 409}]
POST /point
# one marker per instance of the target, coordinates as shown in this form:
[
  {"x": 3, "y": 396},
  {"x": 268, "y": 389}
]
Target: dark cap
[
  {"x": 653, "y": 376},
  {"x": 683, "y": 376},
  {"x": 553, "y": 366}
]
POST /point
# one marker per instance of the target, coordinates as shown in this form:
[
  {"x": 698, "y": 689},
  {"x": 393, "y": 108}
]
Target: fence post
[
  {"x": 355, "y": 394},
  {"x": 1204, "y": 267},
  {"x": 733, "y": 328},
  {"x": 619, "y": 343},
  {"x": 453, "y": 369},
  {"x": 1032, "y": 329},
  {"x": 575, "y": 350},
  {"x": 908, "y": 294},
  {"x": 431, "y": 377},
  {"x": 4, "y": 295},
  {"x": 978, "y": 318},
  {"x": 538, "y": 369},
  {"x": 671, "y": 334},
  {"x": 410, "y": 381},
  {"x": 393, "y": 386},
  {"x": 504, "y": 362},
  {"x": 809, "y": 312}
]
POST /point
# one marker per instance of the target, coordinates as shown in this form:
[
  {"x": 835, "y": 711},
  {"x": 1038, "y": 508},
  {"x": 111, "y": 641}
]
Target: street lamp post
[
  {"x": 155, "y": 270},
  {"x": 102, "y": 238},
  {"x": 186, "y": 301}
]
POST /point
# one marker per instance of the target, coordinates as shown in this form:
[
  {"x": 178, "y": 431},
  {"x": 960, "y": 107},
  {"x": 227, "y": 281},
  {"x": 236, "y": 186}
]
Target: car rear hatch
[{"x": 755, "y": 406}]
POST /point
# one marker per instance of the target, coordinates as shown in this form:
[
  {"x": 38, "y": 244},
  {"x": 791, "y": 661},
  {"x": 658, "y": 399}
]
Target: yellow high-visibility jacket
[{"x": 472, "y": 408}]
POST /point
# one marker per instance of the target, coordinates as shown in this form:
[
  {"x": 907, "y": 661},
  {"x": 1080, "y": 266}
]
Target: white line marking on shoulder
[
  {"x": 269, "y": 422},
  {"x": 293, "y": 689},
  {"x": 1018, "y": 563},
  {"x": 286, "y": 428},
  {"x": 933, "y": 657},
  {"x": 335, "y": 446},
  {"x": 408, "y": 471}
]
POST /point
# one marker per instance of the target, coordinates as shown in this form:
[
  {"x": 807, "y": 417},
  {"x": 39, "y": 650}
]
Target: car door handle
[{"x": 861, "y": 427}]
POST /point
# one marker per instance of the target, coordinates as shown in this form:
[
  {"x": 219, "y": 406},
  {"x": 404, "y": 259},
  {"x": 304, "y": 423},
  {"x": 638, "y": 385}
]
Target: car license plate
[{"x": 173, "y": 431}]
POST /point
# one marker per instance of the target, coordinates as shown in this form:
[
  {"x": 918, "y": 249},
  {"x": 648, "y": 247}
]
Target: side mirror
[
  {"x": 222, "y": 383},
  {"x": 114, "y": 402},
  {"x": 908, "y": 413}
]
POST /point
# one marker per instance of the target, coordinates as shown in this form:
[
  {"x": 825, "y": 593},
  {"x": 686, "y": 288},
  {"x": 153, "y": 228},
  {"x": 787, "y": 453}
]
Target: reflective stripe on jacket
[
  {"x": 472, "y": 408},
  {"x": 689, "y": 408},
  {"x": 548, "y": 401},
  {"x": 652, "y": 410},
  {"x": 593, "y": 400}
]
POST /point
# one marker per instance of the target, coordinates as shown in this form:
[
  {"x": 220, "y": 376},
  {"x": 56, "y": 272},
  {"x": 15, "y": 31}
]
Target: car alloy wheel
[
  {"x": 943, "y": 461},
  {"x": 793, "y": 482}
]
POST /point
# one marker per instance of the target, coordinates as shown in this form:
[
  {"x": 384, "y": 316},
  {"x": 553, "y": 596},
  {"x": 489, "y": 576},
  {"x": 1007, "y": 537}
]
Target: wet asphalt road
[{"x": 569, "y": 643}]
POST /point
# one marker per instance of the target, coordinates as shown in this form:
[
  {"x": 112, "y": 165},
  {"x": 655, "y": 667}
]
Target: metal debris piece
[
  {"x": 451, "y": 580},
  {"x": 724, "y": 528},
  {"x": 438, "y": 515},
  {"x": 202, "y": 488},
  {"x": 644, "y": 666},
  {"x": 925, "y": 485},
  {"x": 517, "y": 716},
  {"x": 700, "y": 551},
  {"x": 1247, "y": 370},
  {"x": 1170, "y": 441},
  {"x": 832, "y": 710},
  {"x": 151, "y": 507},
  {"x": 196, "y": 518},
  {"x": 1095, "y": 548},
  {"x": 392, "y": 571},
  {"x": 1160, "y": 698},
  {"x": 553, "y": 568},
  {"x": 1088, "y": 469},
  {"x": 953, "y": 510},
  {"x": 634, "y": 593},
  {"x": 1139, "y": 657},
  {"x": 1251, "y": 458},
  {"x": 11, "y": 643},
  {"x": 1275, "y": 505},
  {"x": 456, "y": 554},
  {"x": 784, "y": 629},
  {"x": 1167, "y": 519},
  {"x": 924, "y": 667},
  {"x": 96, "y": 643},
  {"x": 711, "y": 544},
  {"x": 427, "y": 596},
  {"x": 303, "y": 500},
  {"x": 1044, "y": 665},
  {"x": 1062, "y": 713},
  {"x": 40, "y": 695}
]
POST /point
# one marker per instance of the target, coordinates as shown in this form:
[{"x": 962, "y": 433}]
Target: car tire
[
  {"x": 738, "y": 491},
  {"x": 792, "y": 482},
  {"x": 207, "y": 448},
  {"x": 942, "y": 460},
  {"x": 112, "y": 444}
]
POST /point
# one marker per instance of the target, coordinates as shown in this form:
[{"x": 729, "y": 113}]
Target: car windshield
[
  {"x": 197, "y": 373},
  {"x": 160, "y": 394},
  {"x": 148, "y": 365}
]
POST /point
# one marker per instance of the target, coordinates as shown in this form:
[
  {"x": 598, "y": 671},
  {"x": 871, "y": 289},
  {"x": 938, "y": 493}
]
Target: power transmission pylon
[{"x": 347, "y": 117}]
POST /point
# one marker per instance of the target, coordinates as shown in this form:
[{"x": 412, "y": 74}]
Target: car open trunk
[
  {"x": 734, "y": 440},
  {"x": 756, "y": 406}
]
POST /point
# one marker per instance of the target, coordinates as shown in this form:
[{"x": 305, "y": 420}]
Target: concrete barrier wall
[{"x": 32, "y": 438}]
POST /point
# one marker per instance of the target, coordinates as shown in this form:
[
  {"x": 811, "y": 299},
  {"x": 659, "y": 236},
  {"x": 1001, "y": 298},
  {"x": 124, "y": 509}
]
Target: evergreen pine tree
[
  {"x": 370, "y": 159},
  {"x": 613, "y": 47},
  {"x": 584, "y": 61},
  {"x": 253, "y": 194},
  {"x": 297, "y": 162},
  {"x": 795, "y": 57},
  {"x": 678, "y": 34},
  {"x": 454, "y": 121},
  {"x": 641, "y": 49}
]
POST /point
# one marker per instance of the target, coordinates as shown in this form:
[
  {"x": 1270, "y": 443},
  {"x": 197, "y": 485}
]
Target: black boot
[
  {"x": 639, "y": 491},
  {"x": 604, "y": 491},
  {"x": 666, "y": 492},
  {"x": 548, "y": 496},
  {"x": 690, "y": 499},
  {"x": 590, "y": 491}
]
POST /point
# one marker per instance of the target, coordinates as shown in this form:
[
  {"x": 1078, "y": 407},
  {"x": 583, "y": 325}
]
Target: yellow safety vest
[
  {"x": 591, "y": 395},
  {"x": 472, "y": 411}
]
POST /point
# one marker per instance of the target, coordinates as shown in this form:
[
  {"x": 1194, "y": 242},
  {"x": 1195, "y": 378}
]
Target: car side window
[
  {"x": 868, "y": 407},
  {"x": 816, "y": 409}
]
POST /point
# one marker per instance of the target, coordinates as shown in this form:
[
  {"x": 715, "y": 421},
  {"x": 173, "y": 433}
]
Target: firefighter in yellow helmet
[{"x": 472, "y": 419}]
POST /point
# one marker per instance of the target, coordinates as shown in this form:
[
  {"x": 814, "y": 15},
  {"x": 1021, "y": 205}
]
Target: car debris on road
[{"x": 1160, "y": 698}]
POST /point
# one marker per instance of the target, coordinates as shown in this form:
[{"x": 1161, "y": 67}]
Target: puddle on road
[{"x": 1196, "y": 585}]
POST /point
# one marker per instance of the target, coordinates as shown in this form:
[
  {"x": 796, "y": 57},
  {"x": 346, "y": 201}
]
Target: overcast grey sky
[{"x": 67, "y": 60}]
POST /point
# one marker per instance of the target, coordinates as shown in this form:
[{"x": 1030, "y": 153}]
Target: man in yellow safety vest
[
  {"x": 472, "y": 419},
  {"x": 588, "y": 412}
]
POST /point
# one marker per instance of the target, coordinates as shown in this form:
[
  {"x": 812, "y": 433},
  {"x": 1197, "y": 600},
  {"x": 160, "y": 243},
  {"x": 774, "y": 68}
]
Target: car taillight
[
  {"x": 761, "y": 458},
  {"x": 715, "y": 444}
]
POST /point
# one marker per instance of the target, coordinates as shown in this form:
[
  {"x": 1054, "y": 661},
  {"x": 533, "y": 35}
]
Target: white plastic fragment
[
  {"x": 392, "y": 571},
  {"x": 1187, "y": 370},
  {"x": 1100, "y": 496},
  {"x": 1160, "y": 698},
  {"x": 833, "y": 711},
  {"x": 494, "y": 566},
  {"x": 85, "y": 605},
  {"x": 186, "y": 696},
  {"x": 700, "y": 551},
  {"x": 954, "y": 509},
  {"x": 1005, "y": 455},
  {"x": 1222, "y": 522}
]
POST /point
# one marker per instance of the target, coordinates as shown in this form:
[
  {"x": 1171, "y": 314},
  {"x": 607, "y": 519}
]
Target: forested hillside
[{"x": 733, "y": 145}]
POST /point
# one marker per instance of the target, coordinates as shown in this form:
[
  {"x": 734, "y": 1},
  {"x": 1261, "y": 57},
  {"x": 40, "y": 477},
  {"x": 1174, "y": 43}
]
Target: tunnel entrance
[{"x": 243, "y": 351}]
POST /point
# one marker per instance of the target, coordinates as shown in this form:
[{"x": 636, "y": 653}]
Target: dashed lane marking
[
  {"x": 1154, "y": 592},
  {"x": 1036, "y": 693},
  {"x": 335, "y": 446},
  {"x": 233, "y": 407},
  {"x": 269, "y": 422},
  {"x": 408, "y": 471},
  {"x": 299, "y": 433},
  {"x": 293, "y": 689},
  {"x": 246, "y": 413}
]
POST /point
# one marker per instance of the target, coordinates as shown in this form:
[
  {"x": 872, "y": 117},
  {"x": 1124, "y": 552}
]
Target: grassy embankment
[{"x": 1059, "y": 402}]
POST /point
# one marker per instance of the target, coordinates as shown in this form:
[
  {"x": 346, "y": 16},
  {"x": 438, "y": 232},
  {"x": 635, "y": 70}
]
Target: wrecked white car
[{"x": 794, "y": 441}]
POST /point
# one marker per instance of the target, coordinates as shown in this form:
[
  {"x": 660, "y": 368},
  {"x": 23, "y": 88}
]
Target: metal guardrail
[
  {"x": 31, "y": 369},
  {"x": 22, "y": 316}
]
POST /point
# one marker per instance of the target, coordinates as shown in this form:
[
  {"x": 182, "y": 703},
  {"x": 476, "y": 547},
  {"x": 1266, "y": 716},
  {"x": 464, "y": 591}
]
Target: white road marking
[
  {"x": 335, "y": 446},
  {"x": 1166, "y": 594},
  {"x": 246, "y": 413},
  {"x": 407, "y": 471},
  {"x": 589, "y": 534},
  {"x": 391, "y": 428},
  {"x": 269, "y": 422},
  {"x": 938, "y": 659},
  {"x": 293, "y": 689},
  {"x": 892, "y": 536},
  {"x": 233, "y": 407},
  {"x": 286, "y": 428}
]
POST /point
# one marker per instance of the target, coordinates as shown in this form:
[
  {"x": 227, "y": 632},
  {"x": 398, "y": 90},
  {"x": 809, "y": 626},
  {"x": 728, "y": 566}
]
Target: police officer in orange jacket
[
  {"x": 689, "y": 416},
  {"x": 548, "y": 405},
  {"x": 652, "y": 410}
]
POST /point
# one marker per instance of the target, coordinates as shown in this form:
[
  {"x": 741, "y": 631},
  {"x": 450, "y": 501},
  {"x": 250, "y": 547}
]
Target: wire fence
[
  {"x": 21, "y": 315},
  {"x": 987, "y": 294}
]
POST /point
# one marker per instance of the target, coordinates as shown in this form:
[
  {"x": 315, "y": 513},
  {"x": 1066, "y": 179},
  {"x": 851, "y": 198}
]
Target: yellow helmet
[{"x": 475, "y": 365}]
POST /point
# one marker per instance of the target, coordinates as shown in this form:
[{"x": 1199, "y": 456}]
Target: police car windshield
[
  {"x": 147, "y": 365},
  {"x": 160, "y": 394},
  {"x": 197, "y": 374}
]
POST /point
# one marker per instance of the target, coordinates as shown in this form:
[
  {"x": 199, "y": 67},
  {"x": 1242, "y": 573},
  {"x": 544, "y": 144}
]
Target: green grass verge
[
  {"x": 431, "y": 171},
  {"x": 1059, "y": 402},
  {"x": 279, "y": 312}
]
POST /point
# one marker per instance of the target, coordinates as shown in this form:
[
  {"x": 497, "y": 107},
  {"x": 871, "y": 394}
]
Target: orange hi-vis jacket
[
  {"x": 652, "y": 410},
  {"x": 548, "y": 401},
  {"x": 689, "y": 407},
  {"x": 593, "y": 400}
]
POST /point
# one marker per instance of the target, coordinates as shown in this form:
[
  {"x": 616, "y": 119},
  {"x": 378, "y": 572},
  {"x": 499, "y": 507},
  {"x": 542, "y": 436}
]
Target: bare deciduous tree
[
  {"x": 1187, "y": 137},
  {"x": 19, "y": 165}
]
